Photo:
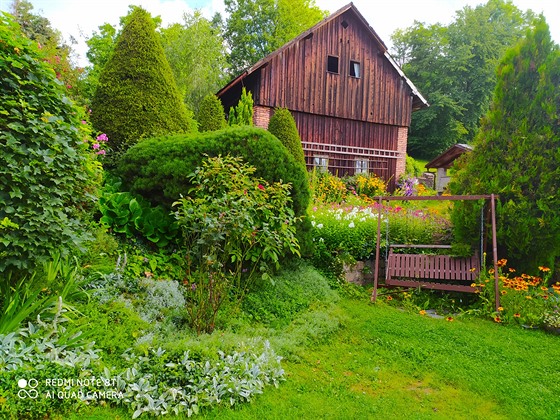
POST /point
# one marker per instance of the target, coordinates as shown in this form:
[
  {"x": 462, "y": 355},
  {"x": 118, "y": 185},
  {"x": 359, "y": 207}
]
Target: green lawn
[{"x": 387, "y": 363}]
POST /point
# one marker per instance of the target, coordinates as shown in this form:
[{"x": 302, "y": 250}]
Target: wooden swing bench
[{"x": 429, "y": 271}]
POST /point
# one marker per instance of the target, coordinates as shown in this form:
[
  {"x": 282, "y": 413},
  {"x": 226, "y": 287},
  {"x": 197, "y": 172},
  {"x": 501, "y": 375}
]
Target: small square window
[
  {"x": 355, "y": 69},
  {"x": 332, "y": 64},
  {"x": 321, "y": 163},
  {"x": 362, "y": 166}
]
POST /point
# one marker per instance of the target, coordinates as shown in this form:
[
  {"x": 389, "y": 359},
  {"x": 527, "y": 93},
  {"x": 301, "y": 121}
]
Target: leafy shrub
[
  {"x": 283, "y": 126},
  {"x": 159, "y": 169},
  {"x": 137, "y": 96},
  {"x": 235, "y": 227},
  {"x": 123, "y": 213},
  {"x": 47, "y": 174},
  {"x": 292, "y": 291},
  {"x": 211, "y": 116}
]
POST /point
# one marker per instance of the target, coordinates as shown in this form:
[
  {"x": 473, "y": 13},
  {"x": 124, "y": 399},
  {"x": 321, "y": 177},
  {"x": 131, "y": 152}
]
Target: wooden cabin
[
  {"x": 444, "y": 162},
  {"x": 351, "y": 102}
]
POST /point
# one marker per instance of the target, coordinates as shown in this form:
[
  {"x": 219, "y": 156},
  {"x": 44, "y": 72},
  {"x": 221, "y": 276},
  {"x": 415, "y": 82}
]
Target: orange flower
[
  {"x": 497, "y": 319},
  {"x": 500, "y": 309},
  {"x": 473, "y": 269},
  {"x": 528, "y": 297},
  {"x": 389, "y": 298},
  {"x": 544, "y": 288},
  {"x": 491, "y": 271},
  {"x": 503, "y": 292},
  {"x": 422, "y": 312},
  {"x": 511, "y": 270},
  {"x": 517, "y": 315},
  {"x": 544, "y": 269},
  {"x": 449, "y": 318},
  {"x": 502, "y": 262}
]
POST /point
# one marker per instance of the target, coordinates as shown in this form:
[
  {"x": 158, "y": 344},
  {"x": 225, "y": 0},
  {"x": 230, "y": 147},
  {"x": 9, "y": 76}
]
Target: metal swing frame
[{"x": 411, "y": 262}]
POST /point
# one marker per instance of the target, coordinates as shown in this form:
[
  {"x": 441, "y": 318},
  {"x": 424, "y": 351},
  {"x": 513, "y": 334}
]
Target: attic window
[
  {"x": 355, "y": 69},
  {"x": 332, "y": 64},
  {"x": 344, "y": 24}
]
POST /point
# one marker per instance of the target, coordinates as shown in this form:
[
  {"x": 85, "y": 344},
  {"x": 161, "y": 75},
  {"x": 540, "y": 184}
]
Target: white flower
[
  {"x": 320, "y": 226},
  {"x": 313, "y": 223},
  {"x": 351, "y": 225}
]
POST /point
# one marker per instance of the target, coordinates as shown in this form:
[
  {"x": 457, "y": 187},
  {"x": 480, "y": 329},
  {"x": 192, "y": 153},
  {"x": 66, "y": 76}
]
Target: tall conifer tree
[
  {"x": 517, "y": 154},
  {"x": 137, "y": 96}
]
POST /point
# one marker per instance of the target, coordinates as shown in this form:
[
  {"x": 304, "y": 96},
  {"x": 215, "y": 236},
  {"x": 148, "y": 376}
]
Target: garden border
[{"x": 491, "y": 198}]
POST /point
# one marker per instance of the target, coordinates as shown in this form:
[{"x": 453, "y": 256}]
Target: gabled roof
[
  {"x": 446, "y": 159},
  {"x": 418, "y": 102}
]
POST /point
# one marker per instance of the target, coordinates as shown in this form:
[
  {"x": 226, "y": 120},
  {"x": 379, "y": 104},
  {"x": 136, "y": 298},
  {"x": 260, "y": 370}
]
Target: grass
[{"x": 387, "y": 363}]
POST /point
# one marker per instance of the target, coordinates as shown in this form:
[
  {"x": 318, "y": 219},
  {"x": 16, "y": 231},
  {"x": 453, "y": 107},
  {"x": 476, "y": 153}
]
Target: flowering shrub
[
  {"x": 235, "y": 228},
  {"x": 326, "y": 188},
  {"x": 367, "y": 185},
  {"x": 524, "y": 299}
]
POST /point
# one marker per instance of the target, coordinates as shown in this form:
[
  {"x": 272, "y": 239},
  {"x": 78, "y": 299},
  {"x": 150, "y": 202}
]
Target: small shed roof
[{"x": 446, "y": 159}]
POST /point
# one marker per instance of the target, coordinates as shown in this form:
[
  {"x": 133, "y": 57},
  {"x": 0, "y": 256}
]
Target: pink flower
[
  {"x": 96, "y": 146},
  {"x": 261, "y": 187},
  {"x": 84, "y": 122},
  {"x": 101, "y": 152},
  {"x": 102, "y": 137}
]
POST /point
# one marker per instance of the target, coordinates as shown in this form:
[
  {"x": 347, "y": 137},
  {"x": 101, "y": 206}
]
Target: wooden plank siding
[{"x": 297, "y": 78}]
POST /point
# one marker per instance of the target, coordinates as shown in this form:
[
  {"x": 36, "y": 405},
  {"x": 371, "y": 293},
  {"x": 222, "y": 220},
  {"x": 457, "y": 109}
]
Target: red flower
[{"x": 261, "y": 187}]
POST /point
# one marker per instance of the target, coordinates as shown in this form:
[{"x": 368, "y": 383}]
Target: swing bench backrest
[{"x": 440, "y": 272}]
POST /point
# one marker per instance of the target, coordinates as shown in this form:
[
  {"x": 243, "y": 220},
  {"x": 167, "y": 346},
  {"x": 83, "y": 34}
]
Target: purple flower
[
  {"x": 102, "y": 137},
  {"x": 193, "y": 287},
  {"x": 95, "y": 146}
]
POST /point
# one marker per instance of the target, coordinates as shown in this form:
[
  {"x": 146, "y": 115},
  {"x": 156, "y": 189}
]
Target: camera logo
[{"x": 27, "y": 388}]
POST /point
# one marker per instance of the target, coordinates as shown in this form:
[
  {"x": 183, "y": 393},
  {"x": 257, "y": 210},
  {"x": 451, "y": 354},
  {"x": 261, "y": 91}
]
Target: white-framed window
[
  {"x": 362, "y": 166},
  {"x": 355, "y": 69},
  {"x": 321, "y": 163}
]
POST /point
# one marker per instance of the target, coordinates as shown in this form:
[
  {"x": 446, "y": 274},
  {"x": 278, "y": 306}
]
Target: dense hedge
[
  {"x": 137, "y": 95},
  {"x": 283, "y": 126},
  {"x": 46, "y": 171},
  {"x": 158, "y": 168}
]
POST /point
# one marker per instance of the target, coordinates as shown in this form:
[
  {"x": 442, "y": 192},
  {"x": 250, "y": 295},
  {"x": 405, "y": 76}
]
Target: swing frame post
[{"x": 491, "y": 198}]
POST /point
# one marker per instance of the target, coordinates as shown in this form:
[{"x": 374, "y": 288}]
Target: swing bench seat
[{"x": 428, "y": 271}]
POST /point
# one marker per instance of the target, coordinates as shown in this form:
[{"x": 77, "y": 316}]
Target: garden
[{"x": 160, "y": 265}]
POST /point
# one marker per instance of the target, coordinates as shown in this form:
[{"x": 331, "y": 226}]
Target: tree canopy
[
  {"x": 454, "y": 67},
  {"x": 516, "y": 154},
  {"x": 255, "y": 28}
]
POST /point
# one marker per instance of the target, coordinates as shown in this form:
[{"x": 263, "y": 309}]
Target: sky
[{"x": 79, "y": 18}]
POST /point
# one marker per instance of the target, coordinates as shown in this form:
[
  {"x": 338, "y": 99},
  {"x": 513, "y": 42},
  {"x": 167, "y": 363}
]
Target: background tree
[
  {"x": 211, "y": 115},
  {"x": 242, "y": 113},
  {"x": 57, "y": 52},
  {"x": 516, "y": 154},
  {"x": 137, "y": 96},
  {"x": 197, "y": 56},
  {"x": 454, "y": 67},
  {"x": 255, "y": 28},
  {"x": 283, "y": 126}
]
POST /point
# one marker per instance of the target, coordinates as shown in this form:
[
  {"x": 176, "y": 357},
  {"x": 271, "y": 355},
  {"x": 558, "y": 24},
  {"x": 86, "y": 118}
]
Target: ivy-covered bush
[
  {"x": 283, "y": 126},
  {"x": 158, "y": 169},
  {"x": 137, "y": 96},
  {"x": 47, "y": 175},
  {"x": 211, "y": 115}
]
